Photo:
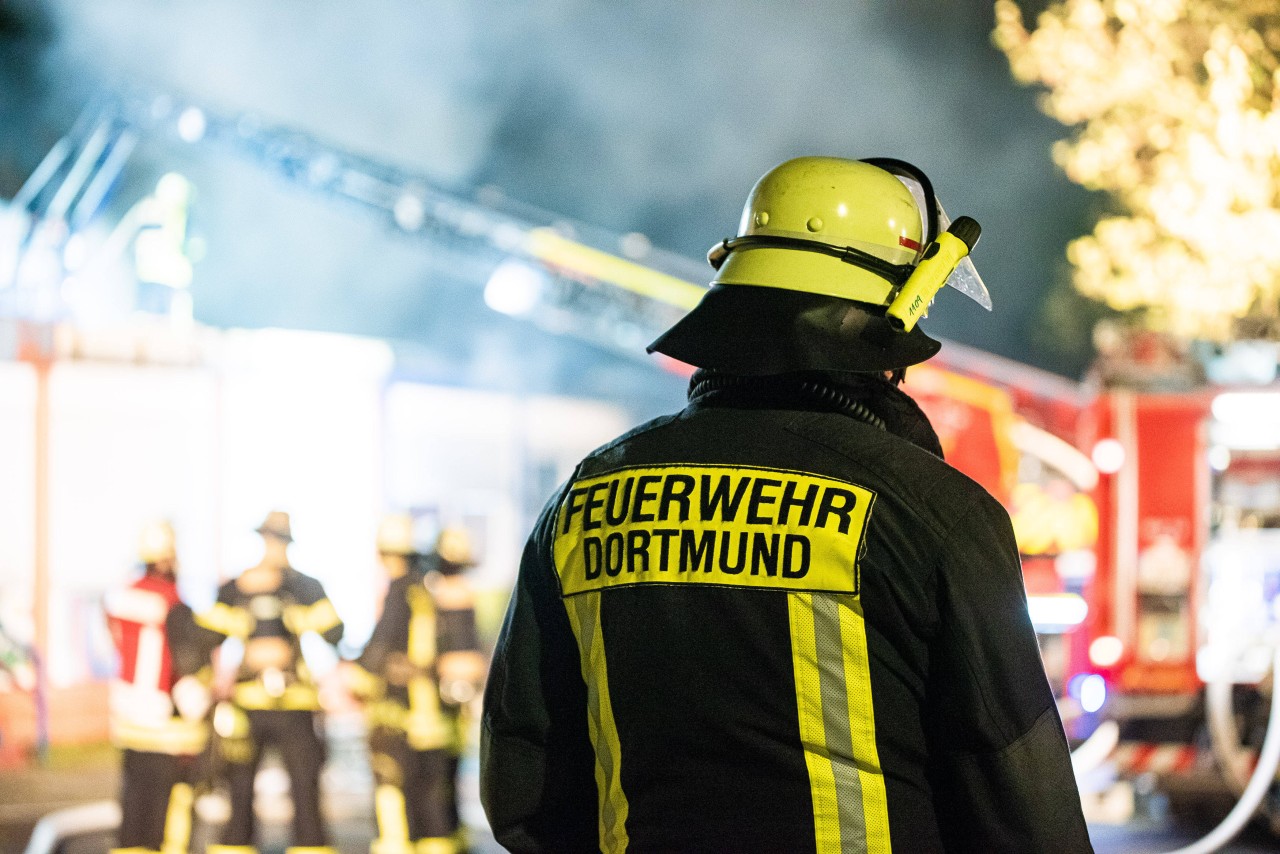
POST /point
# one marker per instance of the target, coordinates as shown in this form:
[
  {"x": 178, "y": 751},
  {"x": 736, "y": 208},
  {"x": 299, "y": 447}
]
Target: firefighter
[
  {"x": 275, "y": 700},
  {"x": 418, "y": 673},
  {"x": 778, "y": 620},
  {"x": 157, "y": 708}
]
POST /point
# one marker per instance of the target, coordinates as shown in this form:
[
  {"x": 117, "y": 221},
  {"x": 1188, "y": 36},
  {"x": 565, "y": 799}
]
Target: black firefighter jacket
[{"x": 772, "y": 630}]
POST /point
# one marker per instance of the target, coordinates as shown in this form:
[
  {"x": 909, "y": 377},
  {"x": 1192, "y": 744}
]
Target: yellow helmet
[
  {"x": 396, "y": 535},
  {"x": 454, "y": 546},
  {"x": 157, "y": 542},
  {"x": 823, "y": 200},
  {"x": 834, "y": 263}
]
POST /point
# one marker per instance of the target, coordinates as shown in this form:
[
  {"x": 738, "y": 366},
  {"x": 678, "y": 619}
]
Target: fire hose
[{"x": 1222, "y": 728}]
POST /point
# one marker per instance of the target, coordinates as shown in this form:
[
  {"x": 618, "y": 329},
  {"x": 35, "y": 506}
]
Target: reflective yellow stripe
[
  {"x": 177, "y": 819},
  {"x": 426, "y": 725},
  {"x": 393, "y": 823},
  {"x": 437, "y": 845},
  {"x": 584, "y": 615},
  {"x": 366, "y": 685},
  {"x": 386, "y": 713},
  {"x": 423, "y": 731},
  {"x": 422, "y": 628},
  {"x": 837, "y": 723},
  {"x": 176, "y": 737},
  {"x": 318, "y": 617},
  {"x": 298, "y": 696},
  {"x": 231, "y": 849},
  {"x": 227, "y": 620},
  {"x": 813, "y": 736},
  {"x": 862, "y": 723}
]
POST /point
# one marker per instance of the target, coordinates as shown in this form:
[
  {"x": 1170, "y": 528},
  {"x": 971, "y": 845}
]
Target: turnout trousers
[
  {"x": 294, "y": 734},
  {"x": 156, "y": 801},
  {"x": 415, "y": 800}
]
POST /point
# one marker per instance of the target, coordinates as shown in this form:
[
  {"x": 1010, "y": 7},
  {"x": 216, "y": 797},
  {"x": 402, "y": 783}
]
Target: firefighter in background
[
  {"x": 157, "y": 709},
  {"x": 275, "y": 701},
  {"x": 777, "y": 620},
  {"x": 418, "y": 673}
]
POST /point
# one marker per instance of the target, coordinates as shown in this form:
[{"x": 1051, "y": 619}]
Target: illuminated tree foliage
[{"x": 1177, "y": 110}]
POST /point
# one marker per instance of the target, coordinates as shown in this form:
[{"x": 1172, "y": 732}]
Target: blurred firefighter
[
  {"x": 157, "y": 701},
  {"x": 777, "y": 620},
  {"x": 275, "y": 700},
  {"x": 418, "y": 674}
]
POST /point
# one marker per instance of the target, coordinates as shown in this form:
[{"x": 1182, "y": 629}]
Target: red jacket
[
  {"x": 143, "y": 715},
  {"x": 136, "y": 615}
]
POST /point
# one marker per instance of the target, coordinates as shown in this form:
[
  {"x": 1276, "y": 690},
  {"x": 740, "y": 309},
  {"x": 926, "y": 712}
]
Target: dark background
[{"x": 652, "y": 116}]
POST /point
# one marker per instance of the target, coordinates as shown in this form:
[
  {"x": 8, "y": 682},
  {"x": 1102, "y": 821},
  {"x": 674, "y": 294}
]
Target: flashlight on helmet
[{"x": 939, "y": 262}]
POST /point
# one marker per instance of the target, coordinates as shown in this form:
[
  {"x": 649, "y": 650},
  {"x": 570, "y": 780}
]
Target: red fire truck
[
  {"x": 1149, "y": 523},
  {"x": 1187, "y": 584}
]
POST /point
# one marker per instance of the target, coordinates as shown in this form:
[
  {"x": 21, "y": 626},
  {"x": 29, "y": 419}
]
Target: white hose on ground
[
  {"x": 59, "y": 826},
  {"x": 1224, "y": 736},
  {"x": 1263, "y": 777}
]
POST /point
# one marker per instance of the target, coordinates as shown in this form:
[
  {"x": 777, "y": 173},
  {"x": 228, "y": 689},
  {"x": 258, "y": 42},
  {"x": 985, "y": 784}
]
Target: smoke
[{"x": 654, "y": 117}]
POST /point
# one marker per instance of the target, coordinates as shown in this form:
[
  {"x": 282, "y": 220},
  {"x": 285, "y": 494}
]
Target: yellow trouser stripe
[
  {"x": 837, "y": 723},
  {"x": 436, "y": 845},
  {"x": 177, "y": 819},
  {"x": 584, "y": 615},
  {"x": 393, "y": 824}
]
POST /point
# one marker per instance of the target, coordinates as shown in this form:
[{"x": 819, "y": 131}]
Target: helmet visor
[{"x": 965, "y": 277}]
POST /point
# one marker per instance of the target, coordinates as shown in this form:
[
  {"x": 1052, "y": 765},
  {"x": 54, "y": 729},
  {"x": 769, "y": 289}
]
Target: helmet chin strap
[{"x": 894, "y": 274}]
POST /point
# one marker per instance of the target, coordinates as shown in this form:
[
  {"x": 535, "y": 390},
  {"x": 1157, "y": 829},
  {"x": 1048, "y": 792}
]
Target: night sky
[{"x": 654, "y": 117}]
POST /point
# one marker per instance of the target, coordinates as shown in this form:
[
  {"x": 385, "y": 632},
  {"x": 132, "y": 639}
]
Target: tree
[{"x": 1176, "y": 110}]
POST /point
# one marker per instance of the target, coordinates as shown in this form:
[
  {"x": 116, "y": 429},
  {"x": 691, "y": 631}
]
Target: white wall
[
  {"x": 302, "y": 432},
  {"x": 17, "y": 494},
  {"x": 127, "y": 444},
  {"x": 302, "y": 422},
  {"x": 487, "y": 460}
]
